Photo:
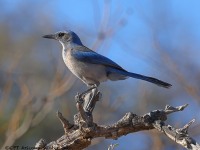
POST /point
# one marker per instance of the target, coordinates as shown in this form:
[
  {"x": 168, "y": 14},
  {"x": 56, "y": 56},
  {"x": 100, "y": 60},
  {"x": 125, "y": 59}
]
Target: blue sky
[{"x": 175, "y": 24}]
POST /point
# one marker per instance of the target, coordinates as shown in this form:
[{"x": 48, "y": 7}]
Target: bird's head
[{"x": 65, "y": 37}]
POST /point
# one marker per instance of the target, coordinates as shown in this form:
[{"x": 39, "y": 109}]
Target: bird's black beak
[{"x": 50, "y": 36}]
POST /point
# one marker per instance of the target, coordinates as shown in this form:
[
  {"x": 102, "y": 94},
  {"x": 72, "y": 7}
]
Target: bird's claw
[{"x": 79, "y": 98}]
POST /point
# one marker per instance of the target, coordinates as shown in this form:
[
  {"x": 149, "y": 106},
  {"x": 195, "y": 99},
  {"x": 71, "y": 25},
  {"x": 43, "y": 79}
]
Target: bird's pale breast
[{"x": 88, "y": 73}]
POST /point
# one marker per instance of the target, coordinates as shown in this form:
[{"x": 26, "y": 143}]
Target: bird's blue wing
[
  {"x": 115, "y": 72},
  {"x": 90, "y": 56}
]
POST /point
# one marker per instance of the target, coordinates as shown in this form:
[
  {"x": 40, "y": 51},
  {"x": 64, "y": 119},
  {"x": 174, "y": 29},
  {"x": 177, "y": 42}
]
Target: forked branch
[{"x": 78, "y": 135}]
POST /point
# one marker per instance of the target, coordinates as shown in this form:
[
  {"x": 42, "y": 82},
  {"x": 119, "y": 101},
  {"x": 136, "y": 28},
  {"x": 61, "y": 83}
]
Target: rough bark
[{"x": 78, "y": 135}]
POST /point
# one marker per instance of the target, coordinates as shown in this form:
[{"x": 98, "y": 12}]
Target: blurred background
[{"x": 154, "y": 38}]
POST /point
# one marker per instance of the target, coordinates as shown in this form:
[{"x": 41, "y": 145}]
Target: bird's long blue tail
[
  {"x": 149, "y": 79},
  {"x": 142, "y": 77}
]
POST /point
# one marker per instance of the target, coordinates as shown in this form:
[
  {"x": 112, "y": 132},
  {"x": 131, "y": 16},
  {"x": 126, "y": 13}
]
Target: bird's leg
[{"x": 88, "y": 90}]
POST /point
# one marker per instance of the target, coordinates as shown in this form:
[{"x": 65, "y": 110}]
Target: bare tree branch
[{"x": 80, "y": 134}]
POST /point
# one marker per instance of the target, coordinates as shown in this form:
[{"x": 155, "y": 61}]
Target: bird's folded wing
[{"x": 90, "y": 56}]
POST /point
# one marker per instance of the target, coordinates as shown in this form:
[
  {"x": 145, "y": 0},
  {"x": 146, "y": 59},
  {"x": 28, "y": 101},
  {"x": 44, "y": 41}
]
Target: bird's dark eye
[{"x": 61, "y": 34}]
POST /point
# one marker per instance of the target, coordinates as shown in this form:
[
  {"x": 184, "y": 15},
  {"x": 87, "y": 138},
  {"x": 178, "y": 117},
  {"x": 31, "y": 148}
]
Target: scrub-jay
[{"x": 91, "y": 67}]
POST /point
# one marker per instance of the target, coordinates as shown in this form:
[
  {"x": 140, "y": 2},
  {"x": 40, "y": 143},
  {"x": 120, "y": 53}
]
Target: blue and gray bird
[{"x": 91, "y": 67}]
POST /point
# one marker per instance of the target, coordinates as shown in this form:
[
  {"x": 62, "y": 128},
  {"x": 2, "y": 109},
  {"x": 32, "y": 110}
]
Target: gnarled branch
[{"x": 78, "y": 135}]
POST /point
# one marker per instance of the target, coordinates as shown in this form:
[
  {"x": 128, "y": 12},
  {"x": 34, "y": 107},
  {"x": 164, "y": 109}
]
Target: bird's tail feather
[
  {"x": 149, "y": 79},
  {"x": 123, "y": 74}
]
